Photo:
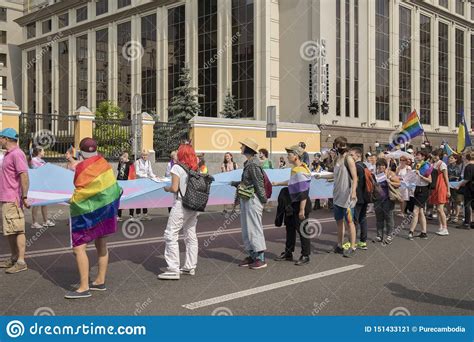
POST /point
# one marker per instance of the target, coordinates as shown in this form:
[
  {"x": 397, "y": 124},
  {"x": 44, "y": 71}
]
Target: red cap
[{"x": 88, "y": 147}]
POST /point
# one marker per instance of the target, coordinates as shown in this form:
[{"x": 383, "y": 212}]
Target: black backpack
[{"x": 198, "y": 187}]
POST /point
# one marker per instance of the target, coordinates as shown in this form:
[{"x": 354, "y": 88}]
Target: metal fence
[
  {"x": 167, "y": 137},
  {"x": 113, "y": 136},
  {"x": 53, "y": 132}
]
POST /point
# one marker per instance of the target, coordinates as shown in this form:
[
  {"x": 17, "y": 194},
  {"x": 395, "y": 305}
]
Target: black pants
[
  {"x": 468, "y": 206},
  {"x": 317, "y": 204},
  {"x": 145, "y": 211},
  {"x": 303, "y": 230},
  {"x": 130, "y": 211},
  {"x": 410, "y": 205},
  {"x": 360, "y": 220}
]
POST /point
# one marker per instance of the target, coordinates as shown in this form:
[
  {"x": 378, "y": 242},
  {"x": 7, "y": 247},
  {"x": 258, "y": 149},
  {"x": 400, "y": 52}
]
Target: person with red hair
[{"x": 181, "y": 218}]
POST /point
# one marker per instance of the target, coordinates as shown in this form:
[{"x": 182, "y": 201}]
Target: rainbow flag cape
[
  {"x": 425, "y": 168},
  {"x": 95, "y": 201},
  {"x": 464, "y": 140},
  {"x": 410, "y": 129},
  {"x": 299, "y": 183}
]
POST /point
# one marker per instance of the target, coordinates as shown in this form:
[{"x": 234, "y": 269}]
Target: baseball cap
[
  {"x": 9, "y": 133},
  {"x": 88, "y": 147},
  {"x": 296, "y": 149}
]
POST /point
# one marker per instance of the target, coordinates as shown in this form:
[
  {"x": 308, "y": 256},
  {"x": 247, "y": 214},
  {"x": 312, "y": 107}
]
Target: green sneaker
[
  {"x": 362, "y": 245},
  {"x": 346, "y": 245}
]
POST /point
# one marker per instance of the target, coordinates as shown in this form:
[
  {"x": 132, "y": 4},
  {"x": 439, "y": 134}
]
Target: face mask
[{"x": 341, "y": 150}]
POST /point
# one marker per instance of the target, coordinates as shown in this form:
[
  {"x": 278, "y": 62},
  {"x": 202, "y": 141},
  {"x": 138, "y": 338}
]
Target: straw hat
[{"x": 250, "y": 143}]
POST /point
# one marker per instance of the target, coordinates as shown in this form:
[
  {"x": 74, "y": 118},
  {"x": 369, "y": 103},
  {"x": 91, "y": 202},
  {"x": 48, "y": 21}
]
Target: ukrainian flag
[{"x": 464, "y": 140}]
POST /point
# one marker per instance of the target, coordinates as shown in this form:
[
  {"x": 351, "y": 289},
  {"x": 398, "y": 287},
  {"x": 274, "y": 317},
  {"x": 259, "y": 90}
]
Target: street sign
[{"x": 271, "y": 122}]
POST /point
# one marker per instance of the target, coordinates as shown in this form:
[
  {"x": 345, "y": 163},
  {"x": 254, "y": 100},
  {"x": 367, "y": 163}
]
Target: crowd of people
[{"x": 416, "y": 183}]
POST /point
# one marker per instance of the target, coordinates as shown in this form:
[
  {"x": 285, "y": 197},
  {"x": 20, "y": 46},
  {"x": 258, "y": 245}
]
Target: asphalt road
[{"x": 421, "y": 277}]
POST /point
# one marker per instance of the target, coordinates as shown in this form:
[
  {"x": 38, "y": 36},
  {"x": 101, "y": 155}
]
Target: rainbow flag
[
  {"x": 425, "y": 168},
  {"x": 464, "y": 140},
  {"x": 410, "y": 129},
  {"x": 95, "y": 201},
  {"x": 299, "y": 183}
]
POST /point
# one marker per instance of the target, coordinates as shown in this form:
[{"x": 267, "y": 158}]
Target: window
[
  {"x": 460, "y": 7},
  {"x": 46, "y": 26},
  {"x": 3, "y": 37},
  {"x": 31, "y": 30},
  {"x": 81, "y": 14},
  {"x": 207, "y": 69},
  {"x": 123, "y": 3},
  {"x": 382, "y": 59},
  {"x": 101, "y": 7},
  {"x": 63, "y": 61},
  {"x": 347, "y": 53},
  {"x": 443, "y": 65},
  {"x": 102, "y": 52},
  {"x": 242, "y": 56},
  {"x": 46, "y": 60},
  {"x": 149, "y": 90},
  {"x": 472, "y": 12},
  {"x": 443, "y": 3},
  {"x": 31, "y": 81},
  {"x": 3, "y": 59},
  {"x": 338, "y": 57},
  {"x": 176, "y": 47},
  {"x": 425, "y": 69},
  {"x": 3, "y": 14},
  {"x": 459, "y": 73},
  {"x": 63, "y": 20},
  {"x": 4, "y": 82},
  {"x": 405, "y": 63},
  {"x": 124, "y": 33},
  {"x": 356, "y": 58}
]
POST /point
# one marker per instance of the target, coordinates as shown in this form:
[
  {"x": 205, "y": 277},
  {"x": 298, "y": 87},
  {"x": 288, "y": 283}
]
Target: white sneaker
[
  {"x": 36, "y": 225},
  {"x": 188, "y": 272},
  {"x": 168, "y": 276},
  {"x": 442, "y": 232},
  {"x": 145, "y": 217}
]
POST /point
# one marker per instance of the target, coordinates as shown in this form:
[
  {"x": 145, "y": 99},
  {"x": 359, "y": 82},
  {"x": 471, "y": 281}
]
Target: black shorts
[{"x": 421, "y": 195}]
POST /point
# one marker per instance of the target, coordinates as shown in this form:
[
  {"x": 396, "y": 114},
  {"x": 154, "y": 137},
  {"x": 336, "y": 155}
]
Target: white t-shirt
[
  {"x": 183, "y": 178},
  {"x": 441, "y": 165}
]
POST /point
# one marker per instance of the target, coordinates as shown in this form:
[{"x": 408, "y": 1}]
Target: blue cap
[{"x": 9, "y": 133}]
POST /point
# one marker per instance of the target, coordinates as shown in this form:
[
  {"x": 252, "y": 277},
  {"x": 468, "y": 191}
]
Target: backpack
[
  {"x": 267, "y": 185},
  {"x": 198, "y": 188}
]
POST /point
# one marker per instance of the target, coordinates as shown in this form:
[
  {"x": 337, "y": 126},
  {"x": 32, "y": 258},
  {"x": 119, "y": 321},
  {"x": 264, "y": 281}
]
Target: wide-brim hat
[
  {"x": 250, "y": 143},
  {"x": 296, "y": 149}
]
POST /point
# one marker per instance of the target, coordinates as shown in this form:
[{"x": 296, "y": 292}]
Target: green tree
[
  {"x": 183, "y": 107},
  {"x": 110, "y": 131},
  {"x": 229, "y": 111}
]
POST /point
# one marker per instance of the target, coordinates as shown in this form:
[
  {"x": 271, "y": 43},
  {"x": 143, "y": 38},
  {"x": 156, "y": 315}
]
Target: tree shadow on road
[{"x": 401, "y": 291}]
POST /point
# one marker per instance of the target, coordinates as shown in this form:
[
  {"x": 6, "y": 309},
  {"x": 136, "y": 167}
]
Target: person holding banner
[
  {"x": 468, "y": 188},
  {"x": 422, "y": 181},
  {"x": 441, "y": 193}
]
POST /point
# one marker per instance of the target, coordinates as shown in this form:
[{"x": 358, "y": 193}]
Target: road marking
[
  {"x": 138, "y": 242},
  {"x": 265, "y": 288}
]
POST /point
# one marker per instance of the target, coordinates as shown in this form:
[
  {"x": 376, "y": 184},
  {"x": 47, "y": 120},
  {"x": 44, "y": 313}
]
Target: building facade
[
  {"x": 10, "y": 53},
  {"x": 383, "y": 58}
]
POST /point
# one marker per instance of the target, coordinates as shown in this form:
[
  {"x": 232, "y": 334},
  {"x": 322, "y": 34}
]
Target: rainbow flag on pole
[
  {"x": 464, "y": 140},
  {"x": 95, "y": 201},
  {"x": 410, "y": 129}
]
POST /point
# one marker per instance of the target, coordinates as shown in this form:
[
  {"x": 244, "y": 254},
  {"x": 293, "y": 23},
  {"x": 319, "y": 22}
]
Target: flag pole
[{"x": 421, "y": 124}]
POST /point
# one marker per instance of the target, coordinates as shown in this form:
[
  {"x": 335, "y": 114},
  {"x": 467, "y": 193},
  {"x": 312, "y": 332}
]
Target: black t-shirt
[
  {"x": 361, "y": 182},
  {"x": 469, "y": 176}
]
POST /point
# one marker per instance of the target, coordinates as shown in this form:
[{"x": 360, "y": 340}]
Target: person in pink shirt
[{"x": 14, "y": 184}]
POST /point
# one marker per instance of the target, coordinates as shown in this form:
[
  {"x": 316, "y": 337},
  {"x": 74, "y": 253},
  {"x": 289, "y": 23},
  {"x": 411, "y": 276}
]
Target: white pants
[{"x": 187, "y": 220}]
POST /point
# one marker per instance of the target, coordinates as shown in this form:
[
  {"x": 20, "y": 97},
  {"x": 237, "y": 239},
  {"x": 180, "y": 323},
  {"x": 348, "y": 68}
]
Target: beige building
[
  {"x": 10, "y": 54},
  {"x": 382, "y": 58}
]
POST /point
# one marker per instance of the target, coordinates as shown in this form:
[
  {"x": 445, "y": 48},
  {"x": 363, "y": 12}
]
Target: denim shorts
[{"x": 344, "y": 213}]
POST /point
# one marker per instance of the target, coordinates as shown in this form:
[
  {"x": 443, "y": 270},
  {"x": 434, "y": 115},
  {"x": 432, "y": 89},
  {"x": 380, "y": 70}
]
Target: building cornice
[
  {"x": 435, "y": 9},
  {"x": 46, "y": 12}
]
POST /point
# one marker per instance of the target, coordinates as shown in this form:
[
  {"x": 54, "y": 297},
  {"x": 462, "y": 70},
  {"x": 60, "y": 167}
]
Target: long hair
[{"x": 187, "y": 156}]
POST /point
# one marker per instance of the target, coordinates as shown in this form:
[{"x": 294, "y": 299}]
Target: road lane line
[
  {"x": 269, "y": 287},
  {"x": 138, "y": 242}
]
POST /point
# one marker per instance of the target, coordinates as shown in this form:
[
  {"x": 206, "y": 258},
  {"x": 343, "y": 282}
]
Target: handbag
[
  {"x": 245, "y": 192},
  {"x": 394, "y": 193}
]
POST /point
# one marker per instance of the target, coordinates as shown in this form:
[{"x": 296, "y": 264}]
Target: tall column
[
  {"x": 435, "y": 73},
  {"x": 136, "y": 66},
  {"x": 24, "y": 80},
  {"x": 415, "y": 65},
  {"x": 91, "y": 70},
  {"x": 224, "y": 47},
  {"x": 39, "y": 81},
  {"x": 467, "y": 79},
  {"x": 72, "y": 75},
  {"x": 394, "y": 62},
  {"x": 162, "y": 63},
  {"x": 451, "y": 77},
  {"x": 191, "y": 27},
  {"x": 113, "y": 63},
  {"x": 371, "y": 64}
]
